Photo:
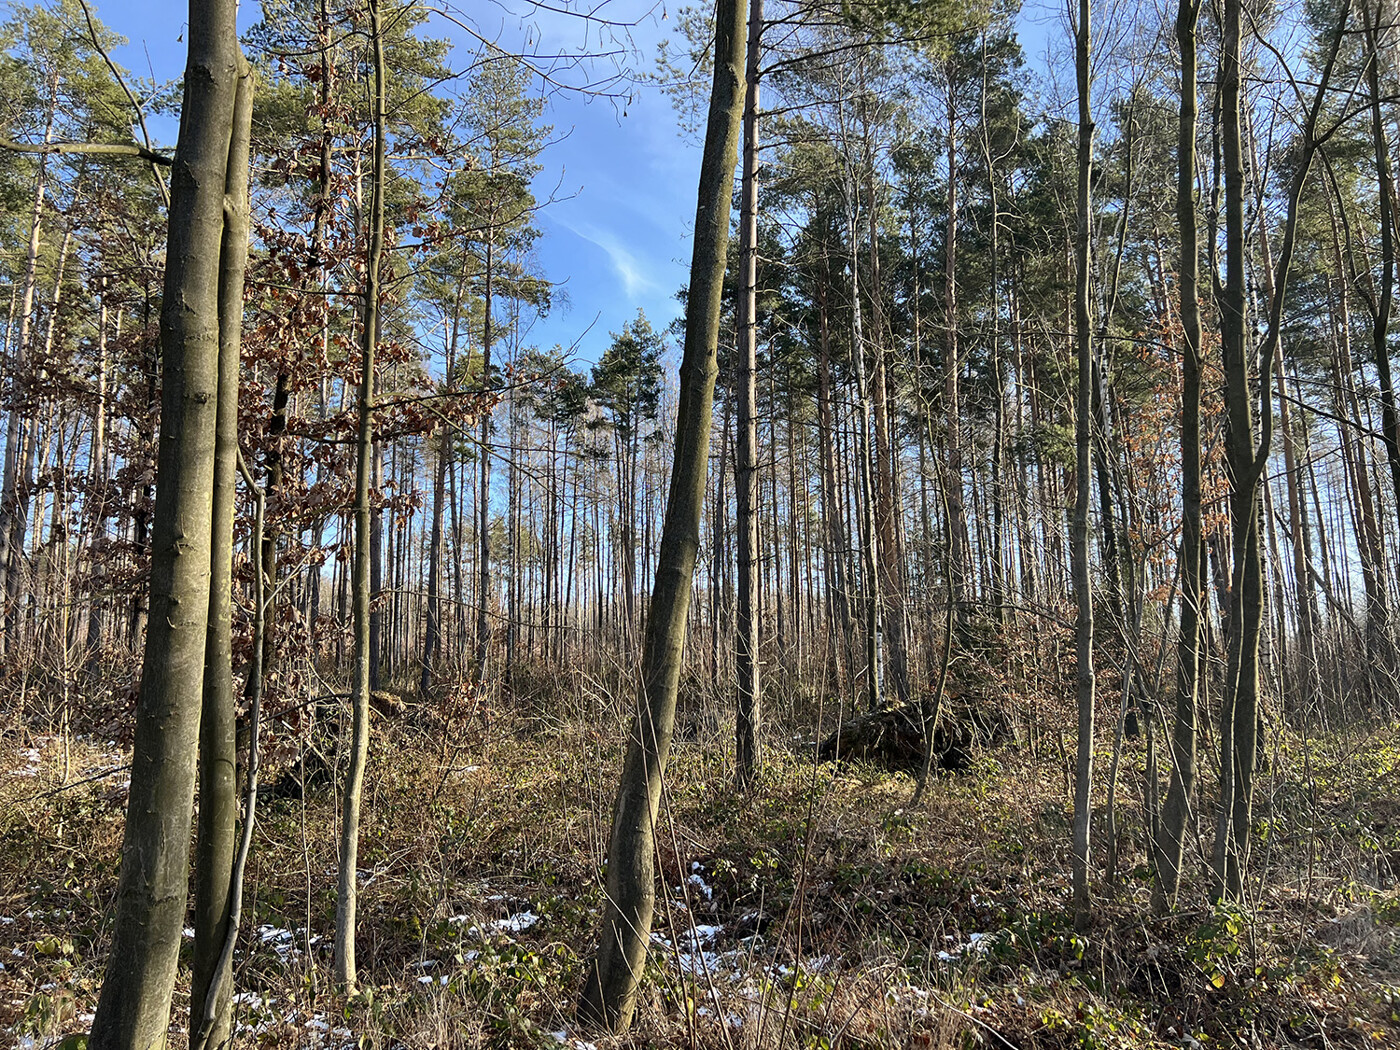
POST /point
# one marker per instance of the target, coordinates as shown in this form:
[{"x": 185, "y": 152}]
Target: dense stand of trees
[{"x": 982, "y": 370}]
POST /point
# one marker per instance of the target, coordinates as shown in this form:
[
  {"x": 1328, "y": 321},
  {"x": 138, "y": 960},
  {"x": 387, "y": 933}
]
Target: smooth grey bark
[
  {"x": 748, "y": 705},
  {"x": 1079, "y": 527},
  {"x": 134, "y": 1008},
  {"x": 346, "y": 892},
  {"x": 211, "y": 983},
  {"x": 610, "y": 987}
]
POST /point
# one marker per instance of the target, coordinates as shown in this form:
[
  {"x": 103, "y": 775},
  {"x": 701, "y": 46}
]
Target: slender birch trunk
[{"x": 347, "y": 890}]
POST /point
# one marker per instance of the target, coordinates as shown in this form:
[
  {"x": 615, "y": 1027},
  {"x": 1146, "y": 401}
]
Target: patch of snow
[
  {"x": 977, "y": 943},
  {"x": 563, "y": 1039},
  {"x": 280, "y": 940},
  {"x": 33, "y": 758},
  {"x": 516, "y": 923},
  {"x": 694, "y": 952}
]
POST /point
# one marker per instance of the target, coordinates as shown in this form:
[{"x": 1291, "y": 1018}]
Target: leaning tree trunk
[
  {"x": 134, "y": 1008},
  {"x": 610, "y": 988},
  {"x": 344, "y": 963}
]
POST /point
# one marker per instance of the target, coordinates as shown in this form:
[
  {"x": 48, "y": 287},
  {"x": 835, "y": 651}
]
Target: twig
[
  {"x": 77, "y": 783},
  {"x": 154, "y": 158}
]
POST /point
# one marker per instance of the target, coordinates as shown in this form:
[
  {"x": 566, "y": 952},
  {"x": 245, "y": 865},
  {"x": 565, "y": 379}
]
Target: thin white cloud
[{"x": 636, "y": 279}]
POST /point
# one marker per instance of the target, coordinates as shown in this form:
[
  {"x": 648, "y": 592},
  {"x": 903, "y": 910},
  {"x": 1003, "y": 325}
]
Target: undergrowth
[{"x": 821, "y": 911}]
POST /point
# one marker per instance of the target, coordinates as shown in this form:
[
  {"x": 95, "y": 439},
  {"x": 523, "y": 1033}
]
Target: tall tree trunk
[
  {"x": 10, "y": 555},
  {"x": 483, "y": 495},
  {"x": 344, "y": 963},
  {"x": 610, "y": 988},
  {"x": 864, "y": 452},
  {"x": 18, "y": 581},
  {"x": 134, "y": 1008},
  {"x": 958, "y": 566},
  {"x": 749, "y": 705},
  {"x": 1239, "y": 716},
  {"x": 211, "y": 981},
  {"x": 95, "y": 504},
  {"x": 835, "y": 531},
  {"x": 1079, "y": 529},
  {"x": 1390, "y": 418},
  {"x": 1237, "y": 740},
  {"x": 1177, "y": 809},
  {"x": 433, "y": 630}
]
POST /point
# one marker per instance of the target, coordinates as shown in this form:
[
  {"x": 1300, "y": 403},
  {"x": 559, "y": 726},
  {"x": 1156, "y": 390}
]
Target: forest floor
[{"x": 821, "y": 912}]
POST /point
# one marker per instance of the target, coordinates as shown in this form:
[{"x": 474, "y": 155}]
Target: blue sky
[{"x": 618, "y": 237}]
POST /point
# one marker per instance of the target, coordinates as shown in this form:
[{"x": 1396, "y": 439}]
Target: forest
[{"x": 965, "y": 612}]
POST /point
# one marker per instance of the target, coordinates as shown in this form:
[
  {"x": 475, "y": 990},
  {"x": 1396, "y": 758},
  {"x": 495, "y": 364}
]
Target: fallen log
[{"x": 894, "y": 737}]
